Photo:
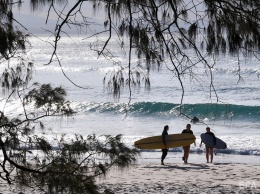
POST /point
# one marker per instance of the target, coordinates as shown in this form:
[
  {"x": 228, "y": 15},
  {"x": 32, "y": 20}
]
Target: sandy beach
[
  {"x": 175, "y": 177},
  {"x": 185, "y": 178}
]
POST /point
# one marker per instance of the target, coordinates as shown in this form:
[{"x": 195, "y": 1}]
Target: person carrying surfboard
[
  {"x": 165, "y": 150},
  {"x": 209, "y": 150},
  {"x": 186, "y": 149}
]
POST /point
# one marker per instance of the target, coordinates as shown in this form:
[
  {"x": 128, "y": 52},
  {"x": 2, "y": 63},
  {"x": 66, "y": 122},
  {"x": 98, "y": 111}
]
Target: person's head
[
  {"x": 207, "y": 129},
  {"x": 194, "y": 120},
  {"x": 166, "y": 127},
  {"x": 188, "y": 126}
]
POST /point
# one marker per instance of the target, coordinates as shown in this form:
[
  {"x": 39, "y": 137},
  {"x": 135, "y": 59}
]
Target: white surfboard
[{"x": 208, "y": 140}]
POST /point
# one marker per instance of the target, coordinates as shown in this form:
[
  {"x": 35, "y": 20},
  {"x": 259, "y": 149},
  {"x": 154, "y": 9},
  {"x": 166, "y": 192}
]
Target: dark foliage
[{"x": 149, "y": 33}]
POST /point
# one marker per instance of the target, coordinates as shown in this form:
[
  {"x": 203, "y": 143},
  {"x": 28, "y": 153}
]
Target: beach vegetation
[
  {"x": 32, "y": 155},
  {"x": 150, "y": 34}
]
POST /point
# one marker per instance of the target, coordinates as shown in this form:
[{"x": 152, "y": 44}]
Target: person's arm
[
  {"x": 195, "y": 139},
  {"x": 163, "y": 137},
  {"x": 214, "y": 139}
]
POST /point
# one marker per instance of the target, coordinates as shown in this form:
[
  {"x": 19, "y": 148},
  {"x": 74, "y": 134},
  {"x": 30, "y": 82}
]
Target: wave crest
[{"x": 224, "y": 111}]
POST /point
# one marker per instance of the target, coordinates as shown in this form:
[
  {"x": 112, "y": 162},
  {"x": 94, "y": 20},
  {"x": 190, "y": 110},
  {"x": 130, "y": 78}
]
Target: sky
[{"x": 35, "y": 22}]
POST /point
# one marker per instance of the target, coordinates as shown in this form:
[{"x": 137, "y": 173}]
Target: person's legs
[
  {"x": 186, "y": 153},
  {"x": 211, "y": 154},
  {"x": 207, "y": 154},
  {"x": 164, "y": 154},
  {"x": 183, "y": 158}
]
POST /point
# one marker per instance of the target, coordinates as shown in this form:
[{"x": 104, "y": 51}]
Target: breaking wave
[{"x": 223, "y": 111}]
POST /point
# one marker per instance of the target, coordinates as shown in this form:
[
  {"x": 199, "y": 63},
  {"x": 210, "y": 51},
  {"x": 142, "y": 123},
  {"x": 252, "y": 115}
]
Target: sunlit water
[{"x": 237, "y": 122}]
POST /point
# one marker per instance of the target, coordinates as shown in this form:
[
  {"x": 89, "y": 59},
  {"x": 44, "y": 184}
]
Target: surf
[{"x": 162, "y": 109}]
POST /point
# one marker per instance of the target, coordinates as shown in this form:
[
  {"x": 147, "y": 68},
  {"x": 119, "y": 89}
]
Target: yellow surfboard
[{"x": 172, "y": 141}]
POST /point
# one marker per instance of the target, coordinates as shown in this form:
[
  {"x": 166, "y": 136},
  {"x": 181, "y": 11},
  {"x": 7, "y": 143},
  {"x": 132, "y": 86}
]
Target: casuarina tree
[
  {"x": 53, "y": 164},
  {"x": 182, "y": 34}
]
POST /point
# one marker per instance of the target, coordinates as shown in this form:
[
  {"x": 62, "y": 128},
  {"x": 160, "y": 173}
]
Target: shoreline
[{"x": 199, "y": 158}]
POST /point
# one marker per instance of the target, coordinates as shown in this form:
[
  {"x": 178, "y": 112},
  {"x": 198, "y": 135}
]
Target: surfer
[
  {"x": 165, "y": 150},
  {"x": 186, "y": 149},
  {"x": 194, "y": 120},
  {"x": 209, "y": 150}
]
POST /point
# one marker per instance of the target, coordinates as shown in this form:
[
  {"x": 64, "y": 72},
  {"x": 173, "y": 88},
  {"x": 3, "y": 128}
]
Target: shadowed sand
[
  {"x": 185, "y": 178},
  {"x": 175, "y": 178}
]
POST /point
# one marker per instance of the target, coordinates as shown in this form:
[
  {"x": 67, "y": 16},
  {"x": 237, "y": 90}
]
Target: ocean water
[{"x": 233, "y": 115}]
